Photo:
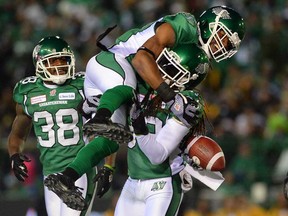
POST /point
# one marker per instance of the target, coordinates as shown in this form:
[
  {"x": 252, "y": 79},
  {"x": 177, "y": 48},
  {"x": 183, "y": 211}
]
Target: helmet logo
[
  {"x": 202, "y": 68},
  {"x": 224, "y": 14},
  {"x": 36, "y": 52}
]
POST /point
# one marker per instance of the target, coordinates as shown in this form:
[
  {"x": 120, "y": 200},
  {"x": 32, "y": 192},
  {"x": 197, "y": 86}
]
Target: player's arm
[
  {"x": 158, "y": 149},
  {"x": 20, "y": 129},
  {"x": 145, "y": 59}
]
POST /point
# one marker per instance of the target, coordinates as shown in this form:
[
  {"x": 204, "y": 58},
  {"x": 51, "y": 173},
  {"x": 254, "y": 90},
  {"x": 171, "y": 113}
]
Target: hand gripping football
[{"x": 206, "y": 153}]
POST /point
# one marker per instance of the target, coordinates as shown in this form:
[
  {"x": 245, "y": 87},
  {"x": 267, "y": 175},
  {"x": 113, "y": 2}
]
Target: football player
[
  {"x": 48, "y": 102},
  {"x": 157, "y": 180},
  {"x": 114, "y": 72}
]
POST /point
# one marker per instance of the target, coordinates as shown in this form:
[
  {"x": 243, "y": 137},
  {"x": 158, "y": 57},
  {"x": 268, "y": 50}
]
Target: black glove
[
  {"x": 184, "y": 108},
  {"x": 104, "y": 179},
  {"x": 285, "y": 189},
  {"x": 19, "y": 168},
  {"x": 89, "y": 106},
  {"x": 138, "y": 121}
]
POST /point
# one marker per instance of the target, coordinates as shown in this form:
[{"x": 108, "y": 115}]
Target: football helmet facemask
[
  {"x": 49, "y": 49},
  {"x": 184, "y": 66},
  {"x": 217, "y": 24}
]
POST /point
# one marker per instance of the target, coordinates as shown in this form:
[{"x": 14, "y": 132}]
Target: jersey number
[{"x": 56, "y": 130}]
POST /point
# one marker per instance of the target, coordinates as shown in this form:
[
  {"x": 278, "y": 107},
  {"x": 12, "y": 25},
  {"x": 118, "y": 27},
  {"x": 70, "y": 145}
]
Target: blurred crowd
[{"x": 246, "y": 96}]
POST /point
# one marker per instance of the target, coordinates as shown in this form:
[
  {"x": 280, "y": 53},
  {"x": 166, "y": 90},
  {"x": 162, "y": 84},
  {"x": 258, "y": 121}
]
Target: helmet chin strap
[{"x": 60, "y": 80}]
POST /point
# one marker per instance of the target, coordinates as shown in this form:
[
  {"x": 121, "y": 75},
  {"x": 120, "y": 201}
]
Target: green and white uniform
[
  {"x": 58, "y": 129},
  {"x": 154, "y": 186},
  {"x": 113, "y": 68}
]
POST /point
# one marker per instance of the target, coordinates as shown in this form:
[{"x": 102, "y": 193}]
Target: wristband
[
  {"x": 109, "y": 167},
  {"x": 165, "y": 92}
]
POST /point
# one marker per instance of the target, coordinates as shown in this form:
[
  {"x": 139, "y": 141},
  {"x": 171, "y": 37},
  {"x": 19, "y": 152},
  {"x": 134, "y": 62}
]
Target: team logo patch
[
  {"x": 53, "y": 92},
  {"x": 158, "y": 185},
  {"x": 67, "y": 96},
  {"x": 177, "y": 106},
  {"x": 38, "y": 99}
]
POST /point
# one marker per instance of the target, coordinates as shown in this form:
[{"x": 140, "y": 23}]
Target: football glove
[
  {"x": 285, "y": 189},
  {"x": 104, "y": 179},
  {"x": 19, "y": 168},
  {"x": 187, "y": 182},
  {"x": 193, "y": 162},
  {"x": 138, "y": 121},
  {"x": 89, "y": 106},
  {"x": 184, "y": 108}
]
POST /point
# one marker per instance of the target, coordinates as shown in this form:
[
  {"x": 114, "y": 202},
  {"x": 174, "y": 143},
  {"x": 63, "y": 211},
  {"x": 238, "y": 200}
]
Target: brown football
[{"x": 206, "y": 153}]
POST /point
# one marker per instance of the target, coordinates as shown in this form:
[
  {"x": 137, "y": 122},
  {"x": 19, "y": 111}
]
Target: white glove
[{"x": 187, "y": 182}]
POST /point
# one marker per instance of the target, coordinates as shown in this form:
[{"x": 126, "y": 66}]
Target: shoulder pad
[
  {"x": 80, "y": 74},
  {"x": 78, "y": 80},
  {"x": 23, "y": 87}
]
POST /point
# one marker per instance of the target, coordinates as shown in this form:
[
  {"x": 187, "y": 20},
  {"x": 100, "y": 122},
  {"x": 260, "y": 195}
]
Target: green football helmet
[
  {"x": 53, "y": 47},
  {"x": 184, "y": 66},
  {"x": 216, "y": 24}
]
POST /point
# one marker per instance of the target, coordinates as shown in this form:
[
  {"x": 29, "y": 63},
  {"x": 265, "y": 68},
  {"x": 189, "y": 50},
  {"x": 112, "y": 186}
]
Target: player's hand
[
  {"x": 193, "y": 162},
  {"x": 187, "y": 182},
  {"x": 138, "y": 121},
  {"x": 184, "y": 108},
  {"x": 89, "y": 106},
  {"x": 104, "y": 179},
  {"x": 285, "y": 189},
  {"x": 19, "y": 168}
]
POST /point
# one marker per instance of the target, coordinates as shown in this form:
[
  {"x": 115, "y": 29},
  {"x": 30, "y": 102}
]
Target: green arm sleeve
[{"x": 113, "y": 98}]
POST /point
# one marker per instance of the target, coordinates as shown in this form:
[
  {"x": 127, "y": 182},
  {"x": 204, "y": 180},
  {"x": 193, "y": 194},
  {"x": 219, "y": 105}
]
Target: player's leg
[
  {"x": 55, "y": 206},
  {"x": 89, "y": 156},
  {"x": 52, "y": 202},
  {"x": 177, "y": 196},
  {"x": 129, "y": 202},
  {"x": 113, "y": 76},
  {"x": 159, "y": 196},
  {"x": 88, "y": 192}
]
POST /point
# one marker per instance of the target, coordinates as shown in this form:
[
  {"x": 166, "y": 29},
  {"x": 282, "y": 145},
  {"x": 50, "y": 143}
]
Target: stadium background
[{"x": 246, "y": 97}]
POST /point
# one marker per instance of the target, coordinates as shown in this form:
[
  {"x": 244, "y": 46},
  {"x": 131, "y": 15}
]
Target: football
[{"x": 205, "y": 152}]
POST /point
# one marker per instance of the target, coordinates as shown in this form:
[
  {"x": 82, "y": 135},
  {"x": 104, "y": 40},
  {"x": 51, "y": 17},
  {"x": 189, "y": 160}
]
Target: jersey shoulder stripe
[{"x": 24, "y": 86}]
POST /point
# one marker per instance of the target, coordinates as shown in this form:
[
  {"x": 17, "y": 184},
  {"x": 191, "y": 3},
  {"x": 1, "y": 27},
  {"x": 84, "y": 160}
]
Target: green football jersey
[
  {"x": 56, "y": 121},
  {"x": 139, "y": 166},
  {"x": 184, "y": 25}
]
